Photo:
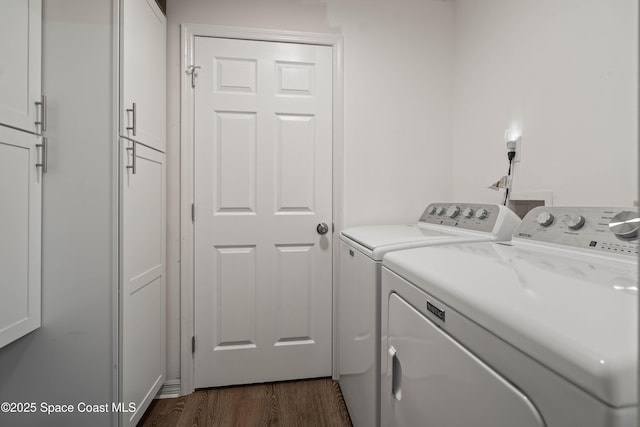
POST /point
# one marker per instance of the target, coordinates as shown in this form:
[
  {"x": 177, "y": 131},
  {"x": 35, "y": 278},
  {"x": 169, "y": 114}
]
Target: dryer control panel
[
  {"x": 611, "y": 230},
  {"x": 469, "y": 216}
]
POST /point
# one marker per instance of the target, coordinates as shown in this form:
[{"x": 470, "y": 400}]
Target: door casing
[{"x": 189, "y": 32}]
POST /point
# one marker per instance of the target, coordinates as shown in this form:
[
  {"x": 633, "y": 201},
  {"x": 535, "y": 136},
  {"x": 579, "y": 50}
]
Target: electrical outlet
[
  {"x": 515, "y": 145},
  {"x": 518, "y": 156}
]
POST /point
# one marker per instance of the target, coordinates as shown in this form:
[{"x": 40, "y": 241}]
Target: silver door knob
[{"x": 322, "y": 228}]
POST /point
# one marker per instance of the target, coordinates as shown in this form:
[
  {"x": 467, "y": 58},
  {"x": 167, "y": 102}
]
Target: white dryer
[
  {"x": 538, "y": 331},
  {"x": 361, "y": 253}
]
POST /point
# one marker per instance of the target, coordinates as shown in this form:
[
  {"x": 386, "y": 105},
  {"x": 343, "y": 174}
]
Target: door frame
[{"x": 189, "y": 33}]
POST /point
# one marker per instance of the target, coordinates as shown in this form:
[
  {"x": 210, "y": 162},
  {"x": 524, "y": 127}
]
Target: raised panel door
[{"x": 262, "y": 184}]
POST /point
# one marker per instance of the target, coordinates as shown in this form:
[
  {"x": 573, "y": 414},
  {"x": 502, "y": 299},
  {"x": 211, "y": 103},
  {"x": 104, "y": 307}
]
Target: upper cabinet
[
  {"x": 143, "y": 68},
  {"x": 20, "y": 64}
]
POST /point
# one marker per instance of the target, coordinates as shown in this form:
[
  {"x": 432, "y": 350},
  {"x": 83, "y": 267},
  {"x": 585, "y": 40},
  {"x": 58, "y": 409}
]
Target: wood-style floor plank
[{"x": 316, "y": 402}]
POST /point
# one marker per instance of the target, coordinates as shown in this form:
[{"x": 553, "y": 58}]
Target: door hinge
[
  {"x": 193, "y": 212},
  {"x": 333, "y": 228},
  {"x": 193, "y": 344},
  {"x": 191, "y": 69}
]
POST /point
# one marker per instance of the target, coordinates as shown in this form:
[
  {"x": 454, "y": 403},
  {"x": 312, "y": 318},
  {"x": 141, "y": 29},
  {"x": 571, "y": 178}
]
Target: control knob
[
  {"x": 467, "y": 212},
  {"x": 432, "y": 210},
  {"x": 545, "y": 219},
  {"x": 625, "y": 224},
  {"x": 440, "y": 210},
  {"x": 453, "y": 211},
  {"x": 574, "y": 221},
  {"x": 481, "y": 213}
]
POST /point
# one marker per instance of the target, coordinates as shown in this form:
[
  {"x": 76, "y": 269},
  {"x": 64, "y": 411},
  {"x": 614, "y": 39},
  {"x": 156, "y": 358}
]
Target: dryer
[
  {"x": 361, "y": 253},
  {"x": 538, "y": 331}
]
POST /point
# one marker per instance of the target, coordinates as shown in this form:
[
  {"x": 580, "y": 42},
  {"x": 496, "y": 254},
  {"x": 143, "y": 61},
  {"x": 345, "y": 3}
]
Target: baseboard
[{"x": 169, "y": 389}]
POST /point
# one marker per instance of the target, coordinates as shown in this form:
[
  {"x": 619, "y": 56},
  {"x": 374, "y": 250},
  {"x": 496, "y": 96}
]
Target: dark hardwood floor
[{"x": 316, "y": 402}]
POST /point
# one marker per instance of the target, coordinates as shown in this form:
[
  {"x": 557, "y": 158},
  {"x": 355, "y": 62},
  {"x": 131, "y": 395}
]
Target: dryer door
[{"x": 436, "y": 382}]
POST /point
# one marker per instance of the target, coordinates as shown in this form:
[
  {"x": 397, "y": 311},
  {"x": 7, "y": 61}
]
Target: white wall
[
  {"x": 69, "y": 359},
  {"x": 565, "y": 73},
  {"x": 397, "y": 92}
]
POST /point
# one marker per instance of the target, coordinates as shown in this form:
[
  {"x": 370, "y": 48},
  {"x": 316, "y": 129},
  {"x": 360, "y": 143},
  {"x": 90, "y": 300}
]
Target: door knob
[{"x": 322, "y": 228}]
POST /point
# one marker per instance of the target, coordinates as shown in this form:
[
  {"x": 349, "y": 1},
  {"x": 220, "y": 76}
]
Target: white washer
[
  {"x": 361, "y": 253},
  {"x": 538, "y": 331}
]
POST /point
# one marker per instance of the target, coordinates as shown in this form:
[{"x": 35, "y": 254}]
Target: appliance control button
[
  {"x": 545, "y": 219},
  {"x": 453, "y": 211},
  {"x": 432, "y": 210},
  {"x": 481, "y": 213},
  {"x": 625, "y": 224},
  {"x": 440, "y": 210},
  {"x": 467, "y": 212},
  {"x": 574, "y": 221}
]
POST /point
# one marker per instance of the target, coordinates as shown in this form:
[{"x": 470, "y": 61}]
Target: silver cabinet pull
[
  {"x": 132, "y": 150},
  {"x": 43, "y": 155},
  {"x": 132, "y": 110},
  {"x": 42, "y": 106}
]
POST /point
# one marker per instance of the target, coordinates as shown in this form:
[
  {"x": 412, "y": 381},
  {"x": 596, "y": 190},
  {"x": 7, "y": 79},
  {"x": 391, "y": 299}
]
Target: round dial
[
  {"x": 432, "y": 210},
  {"x": 574, "y": 221},
  {"x": 453, "y": 211},
  {"x": 481, "y": 213},
  {"x": 545, "y": 219},
  {"x": 625, "y": 224},
  {"x": 467, "y": 212},
  {"x": 440, "y": 210}
]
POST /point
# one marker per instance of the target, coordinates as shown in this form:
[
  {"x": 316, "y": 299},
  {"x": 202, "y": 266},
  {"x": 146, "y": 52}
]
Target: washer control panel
[
  {"x": 469, "y": 216},
  {"x": 611, "y": 230}
]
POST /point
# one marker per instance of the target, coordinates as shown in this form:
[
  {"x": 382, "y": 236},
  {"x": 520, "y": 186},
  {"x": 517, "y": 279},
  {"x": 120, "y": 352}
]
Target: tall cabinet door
[
  {"x": 143, "y": 72},
  {"x": 20, "y": 63},
  {"x": 20, "y": 231},
  {"x": 143, "y": 313}
]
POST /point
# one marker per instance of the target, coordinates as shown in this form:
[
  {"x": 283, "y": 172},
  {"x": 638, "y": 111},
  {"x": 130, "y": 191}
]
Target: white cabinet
[
  {"x": 143, "y": 69},
  {"x": 20, "y": 63},
  {"x": 20, "y": 168},
  {"x": 20, "y": 233},
  {"x": 142, "y": 204},
  {"x": 143, "y": 317}
]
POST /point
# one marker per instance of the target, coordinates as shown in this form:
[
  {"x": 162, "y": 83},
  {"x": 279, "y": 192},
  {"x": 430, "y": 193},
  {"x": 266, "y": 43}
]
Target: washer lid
[
  {"x": 573, "y": 313},
  {"x": 380, "y": 239}
]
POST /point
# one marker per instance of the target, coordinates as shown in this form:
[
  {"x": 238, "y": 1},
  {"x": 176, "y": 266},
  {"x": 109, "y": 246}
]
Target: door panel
[
  {"x": 20, "y": 63},
  {"x": 20, "y": 228},
  {"x": 143, "y": 72},
  {"x": 262, "y": 184},
  {"x": 235, "y": 163},
  {"x": 143, "y": 285}
]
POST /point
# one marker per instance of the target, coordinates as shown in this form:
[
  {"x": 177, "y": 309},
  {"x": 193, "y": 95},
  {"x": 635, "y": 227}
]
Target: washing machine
[
  {"x": 538, "y": 331},
  {"x": 361, "y": 253}
]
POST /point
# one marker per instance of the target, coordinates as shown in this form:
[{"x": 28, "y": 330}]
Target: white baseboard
[{"x": 169, "y": 390}]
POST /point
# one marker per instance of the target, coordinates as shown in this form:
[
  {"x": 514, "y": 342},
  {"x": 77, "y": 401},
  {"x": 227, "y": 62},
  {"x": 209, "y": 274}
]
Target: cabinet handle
[
  {"x": 43, "y": 155},
  {"x": 132, "y": 110},
  {"x": 132, "y": 150},
  {"x": 42, "y": 106}
]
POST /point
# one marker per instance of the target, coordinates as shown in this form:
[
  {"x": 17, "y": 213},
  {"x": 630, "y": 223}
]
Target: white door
[
  {"x": 262, "y": 185},
  {"x": 20, "y": 233},
  {"x": 20, "y": 59},
  {"x": 143, "y": 72},
  {"x": 143, "y": 310}
]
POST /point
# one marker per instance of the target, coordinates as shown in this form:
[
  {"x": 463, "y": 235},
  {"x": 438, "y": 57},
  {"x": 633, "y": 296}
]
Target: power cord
[{"x": 511, "y": 154}]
